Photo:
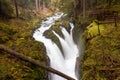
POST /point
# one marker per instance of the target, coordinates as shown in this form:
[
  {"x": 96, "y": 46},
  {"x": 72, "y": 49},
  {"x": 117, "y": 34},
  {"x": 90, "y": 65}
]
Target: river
[{"x": 65, "y": 60}]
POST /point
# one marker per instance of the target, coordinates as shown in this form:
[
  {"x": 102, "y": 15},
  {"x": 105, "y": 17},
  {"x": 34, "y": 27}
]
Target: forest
[{"x": 96, "y": 33}]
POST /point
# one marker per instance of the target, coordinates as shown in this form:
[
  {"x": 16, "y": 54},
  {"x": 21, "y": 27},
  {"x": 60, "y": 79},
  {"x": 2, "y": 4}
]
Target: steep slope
[{"x": 102, "y": 55}]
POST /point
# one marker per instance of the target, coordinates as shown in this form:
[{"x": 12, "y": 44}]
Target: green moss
[
  {"x": 93, "y": 30},
  {"x": 101, "y": 56},
  {"x": 57, "y": 29},
  {"x": 6, "y": 9},
  {"x": 17, "y": 34},
  {"x": 6, "y": 28}
]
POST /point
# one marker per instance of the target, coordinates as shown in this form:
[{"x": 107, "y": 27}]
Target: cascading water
[{"x": 66, "y": 61}]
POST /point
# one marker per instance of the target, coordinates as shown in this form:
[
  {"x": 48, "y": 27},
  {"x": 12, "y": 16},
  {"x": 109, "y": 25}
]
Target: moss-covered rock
[
  {"x": 93, "y": 30},
  {"x": 57, "y": 28}
]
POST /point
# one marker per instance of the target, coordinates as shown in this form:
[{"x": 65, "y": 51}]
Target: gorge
[{"x": 65, "y": 60}]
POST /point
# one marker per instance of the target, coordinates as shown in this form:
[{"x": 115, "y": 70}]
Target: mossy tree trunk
[{"x": 16, "y": 7}]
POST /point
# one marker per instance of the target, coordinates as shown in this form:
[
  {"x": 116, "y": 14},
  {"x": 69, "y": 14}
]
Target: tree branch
[{"x": 34, "y": 62}]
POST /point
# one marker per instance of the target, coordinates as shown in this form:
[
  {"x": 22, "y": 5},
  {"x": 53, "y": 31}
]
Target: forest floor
[
  {"x": 100, "y": 62},
  {"x": 17, "y": 34},
  {"x": 102, "y": 55}
]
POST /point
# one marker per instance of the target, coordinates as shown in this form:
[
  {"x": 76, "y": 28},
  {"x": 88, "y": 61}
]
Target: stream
[{"x": 65, "y": 60}]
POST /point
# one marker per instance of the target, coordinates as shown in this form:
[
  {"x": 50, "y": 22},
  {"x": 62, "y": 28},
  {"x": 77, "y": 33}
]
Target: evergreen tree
[{"x": 6, "y": 9}]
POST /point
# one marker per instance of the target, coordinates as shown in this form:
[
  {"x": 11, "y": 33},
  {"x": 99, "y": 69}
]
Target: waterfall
[{"x": 66, "y": 61}]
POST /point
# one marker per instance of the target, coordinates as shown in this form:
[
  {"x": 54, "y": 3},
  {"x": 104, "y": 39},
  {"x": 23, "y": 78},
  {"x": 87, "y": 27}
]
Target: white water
[{"x": 66, "y": 61}]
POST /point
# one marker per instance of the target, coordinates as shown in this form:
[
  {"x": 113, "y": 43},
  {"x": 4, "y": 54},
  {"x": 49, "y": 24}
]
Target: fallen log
[{"x": 34, "y": 62}]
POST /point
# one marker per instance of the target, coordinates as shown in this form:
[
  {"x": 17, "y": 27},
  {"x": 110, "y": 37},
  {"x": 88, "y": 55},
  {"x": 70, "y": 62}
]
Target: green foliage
[
  {"x": 6, "y": 9},
  {"x": 102, "y": 4},
  {"x": 67, "y": 6},
  {"x": 3, "y": 39},
  {"x": 26, "y": 4},
  {"x": 17, "y": 71},
  {"x": 5, "y": 28},
  {"x": 92, "y": 30},
  {"x": 101, "y": 57},
  {"x": 5, "y": 32},
  {"x": 17, "y": 34}
]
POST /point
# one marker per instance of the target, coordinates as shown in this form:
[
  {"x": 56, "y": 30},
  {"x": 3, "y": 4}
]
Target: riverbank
[
  {"x": 101, "y": 57},
  {"x": 17, "y": 34}
]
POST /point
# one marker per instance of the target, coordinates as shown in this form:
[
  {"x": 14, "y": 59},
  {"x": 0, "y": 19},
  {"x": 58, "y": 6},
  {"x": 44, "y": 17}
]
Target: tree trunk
[
  {"x": 32, "y": 61},
  {"x": 39, "y": 4},
  {"x": 96, "y": 2},
  {"x": 36, "y": 4},
  {"x": 43, "y": 5},
  {"x": 109, "y": 3},
  {"x": 16, "y": 7},
  {"x": 75, "y": 12},
  {"x": 84, "y": 8},
  {"x": 77, "y": 8}
]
